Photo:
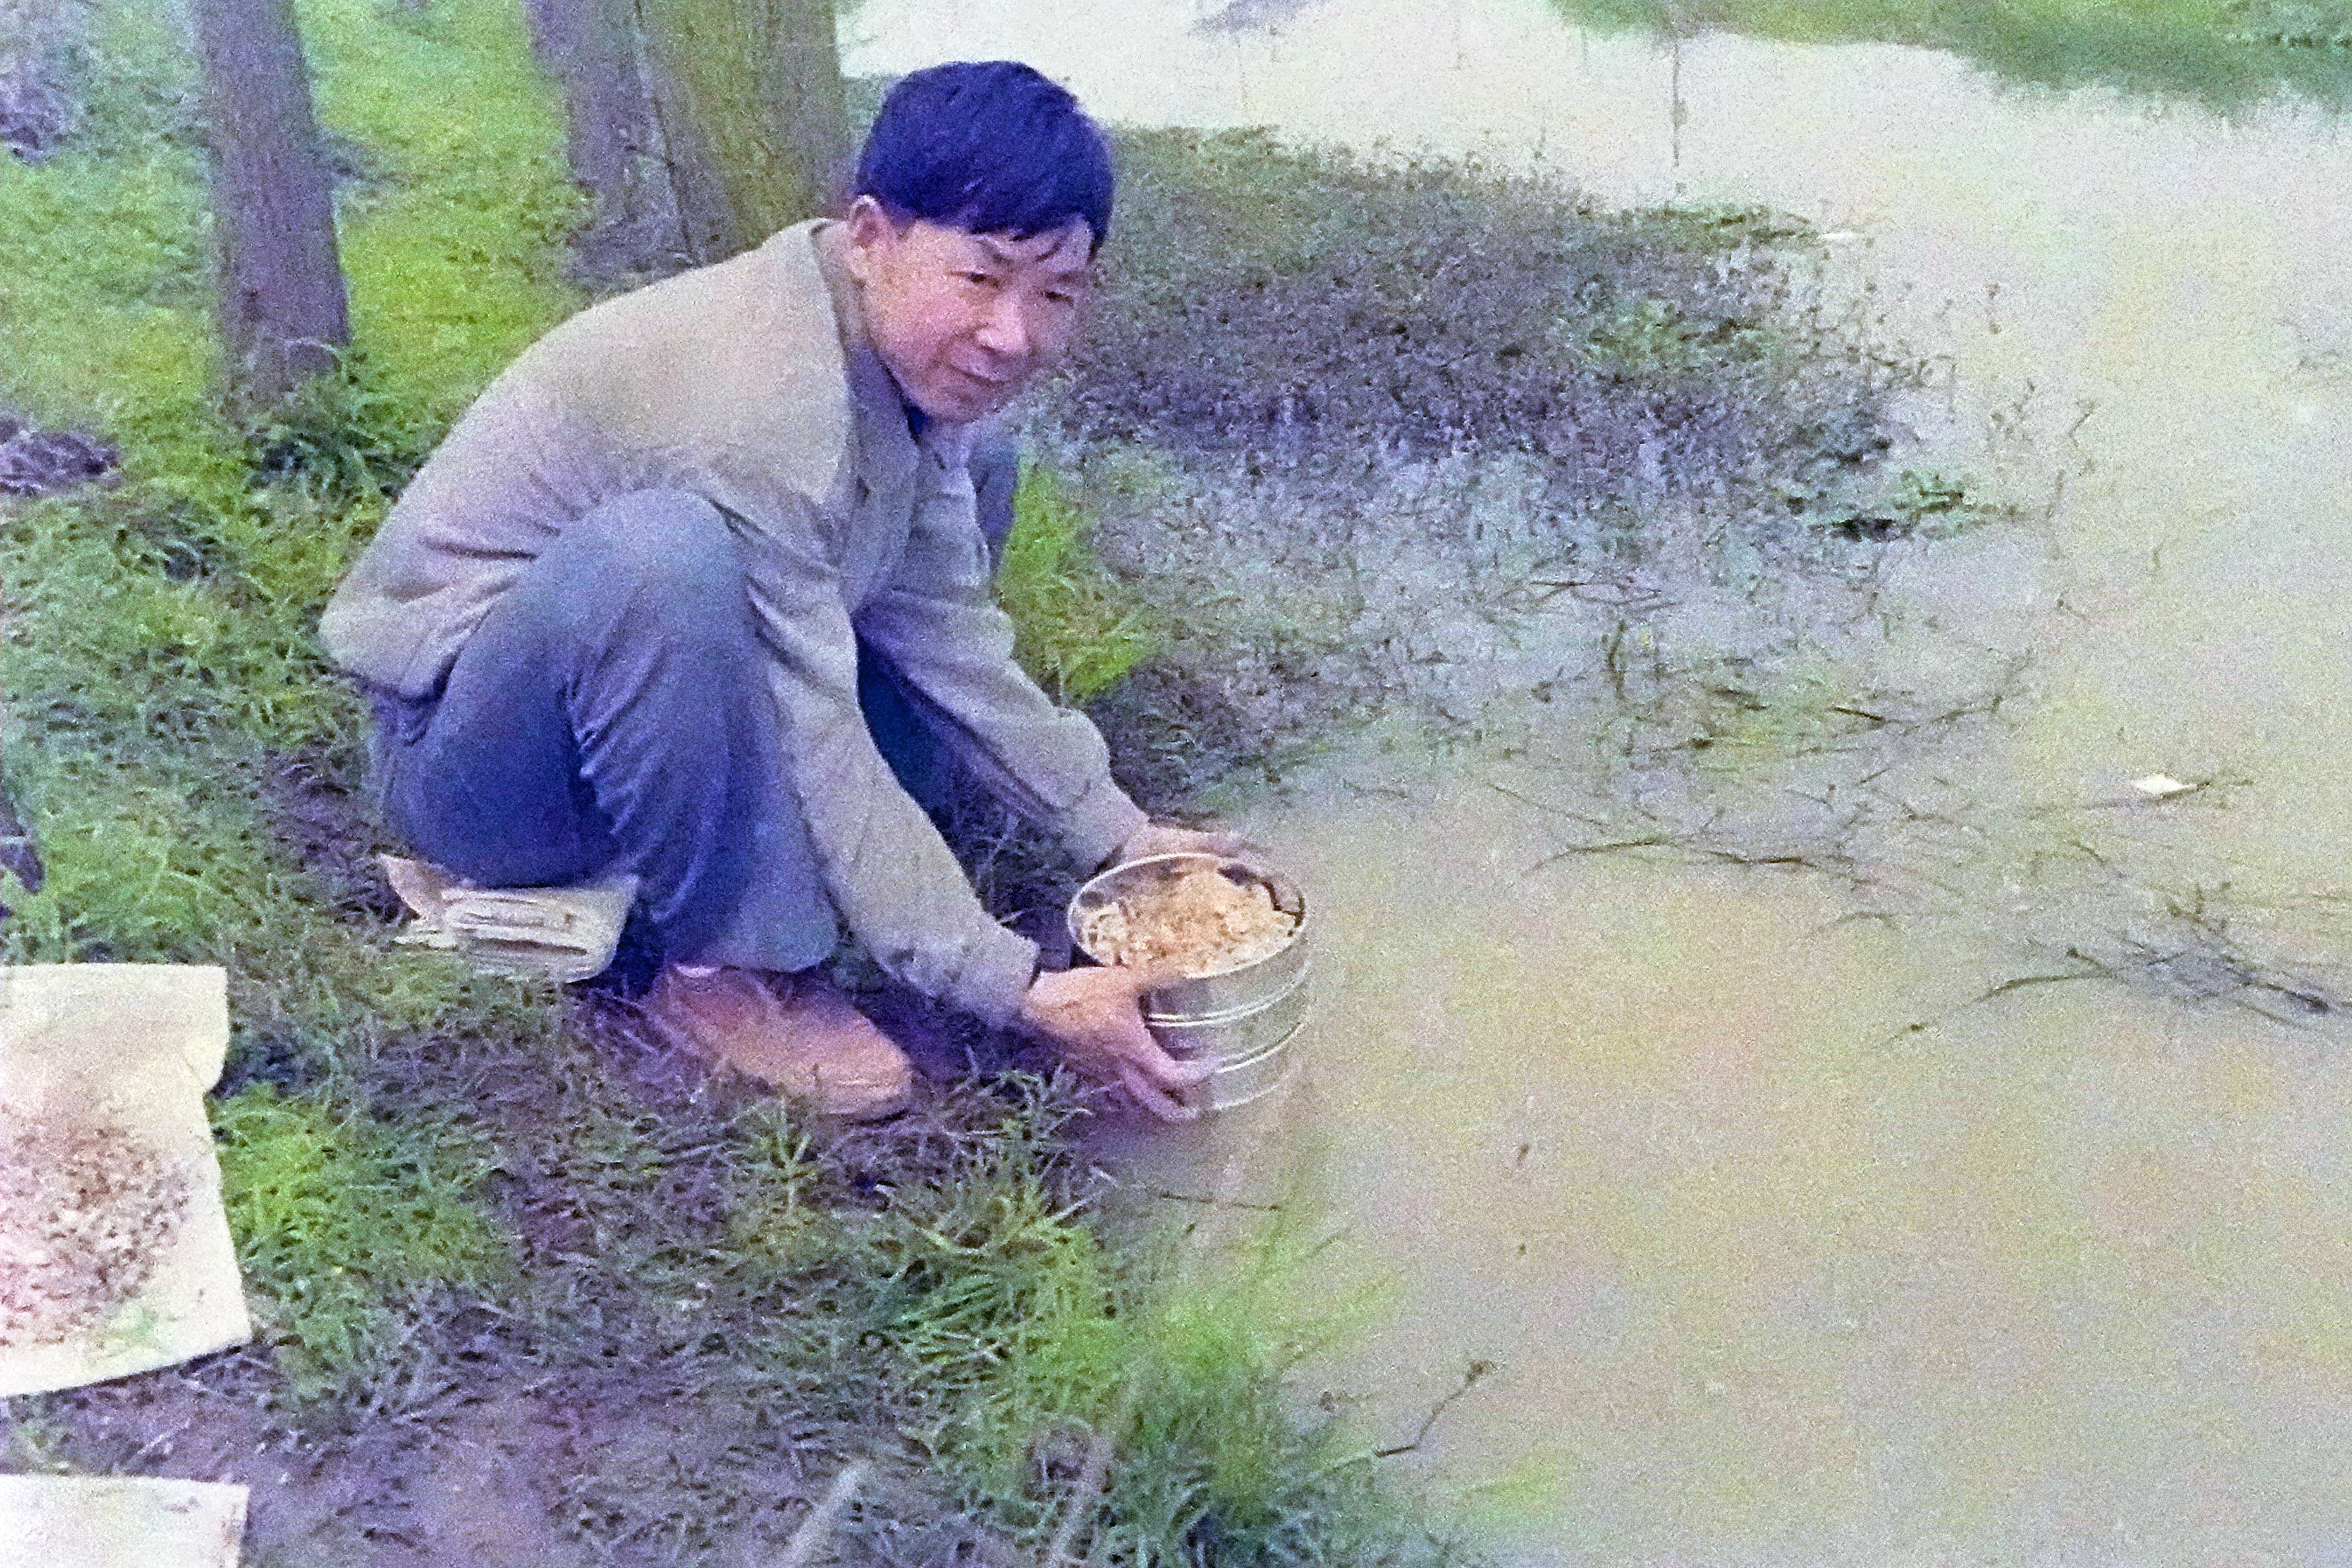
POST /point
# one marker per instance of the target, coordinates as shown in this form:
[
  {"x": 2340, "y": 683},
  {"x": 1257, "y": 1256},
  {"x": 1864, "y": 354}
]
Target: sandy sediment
[
  {"x": 84, "y": 1212},
  {"x": 1199, "y": 920}
]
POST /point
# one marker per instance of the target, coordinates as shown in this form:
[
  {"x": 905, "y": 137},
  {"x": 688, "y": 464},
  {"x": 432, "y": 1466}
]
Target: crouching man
[{"x": 616, "y": 624}]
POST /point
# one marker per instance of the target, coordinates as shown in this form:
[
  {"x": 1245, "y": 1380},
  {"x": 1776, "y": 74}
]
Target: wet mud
[
  {"x": 604, "y": 1416},
  {"x": 37, "y": 462}
]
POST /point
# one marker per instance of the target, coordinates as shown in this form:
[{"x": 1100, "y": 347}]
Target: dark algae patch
[
  {"x": 1347, "y": 414},
  {"x": 1307, "y": 308},
  {"x": 2230, "y": 53}
]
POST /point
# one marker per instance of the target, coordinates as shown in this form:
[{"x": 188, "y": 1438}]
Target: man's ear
[{"x": 870, "y": 233}]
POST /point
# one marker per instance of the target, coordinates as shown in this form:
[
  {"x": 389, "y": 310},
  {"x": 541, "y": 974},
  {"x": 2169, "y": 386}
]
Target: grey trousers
[{"x": 610, "y": 714}]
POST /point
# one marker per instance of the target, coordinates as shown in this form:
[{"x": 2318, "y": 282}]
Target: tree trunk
[
  {"x": 283, "y": 312},
  {"x": 590, "y": 46},
  {"x": 749, "y": 100}
]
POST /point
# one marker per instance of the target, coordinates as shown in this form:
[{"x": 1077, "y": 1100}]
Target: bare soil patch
[{"x": 35, "y": 462}]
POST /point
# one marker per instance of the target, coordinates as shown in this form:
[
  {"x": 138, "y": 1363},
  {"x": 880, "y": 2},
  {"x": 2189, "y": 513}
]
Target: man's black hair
[{"x": 988, "y": 147}]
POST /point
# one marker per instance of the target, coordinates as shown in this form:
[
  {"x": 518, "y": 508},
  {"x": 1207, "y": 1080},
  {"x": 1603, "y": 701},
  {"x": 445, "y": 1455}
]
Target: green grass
[
  {"x": 1079, "y": 628},
  {"x": 341, "y": 1222},
  {"x": 161, "y": 657},
  {"x": 1010, "y": 1336},
  {"x": 165, "y": 689},
  {"x": 453, "y": 241},
  {"x": 2228, "y": 53},
  {"x": 102, "y": 300}
]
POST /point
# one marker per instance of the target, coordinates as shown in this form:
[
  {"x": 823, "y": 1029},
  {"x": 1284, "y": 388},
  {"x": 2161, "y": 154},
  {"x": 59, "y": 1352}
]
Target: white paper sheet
[
  {"x": 103, "y": 1068},
  {"x": 119, "y": 1522}
]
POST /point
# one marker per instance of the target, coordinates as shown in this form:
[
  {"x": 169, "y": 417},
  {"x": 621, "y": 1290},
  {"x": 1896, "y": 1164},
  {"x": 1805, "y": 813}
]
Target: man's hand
[
  {"x": 1095, "y": 1018},
  {"x": 1167, "y": 838}
]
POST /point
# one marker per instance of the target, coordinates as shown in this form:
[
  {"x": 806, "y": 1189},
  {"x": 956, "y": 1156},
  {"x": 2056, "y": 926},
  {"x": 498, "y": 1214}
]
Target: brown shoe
[{"x": 798, "y": 1034}]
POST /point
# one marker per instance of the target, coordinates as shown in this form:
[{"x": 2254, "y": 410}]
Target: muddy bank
[
  {"x": 635, "y": 1396},
  {"x": 1352, "y": 492}
]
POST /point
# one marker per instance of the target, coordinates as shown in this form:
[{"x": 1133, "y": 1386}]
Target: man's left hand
[{"x": 1094, "y": 1017}]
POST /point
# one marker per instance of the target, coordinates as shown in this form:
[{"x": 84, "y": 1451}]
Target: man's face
[{"x": 965, "y": 320}]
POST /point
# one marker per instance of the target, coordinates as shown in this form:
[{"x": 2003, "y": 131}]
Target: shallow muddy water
[
  {"x": 1908, "y": 1207},
  {"x": 1785, "y": 1240}
]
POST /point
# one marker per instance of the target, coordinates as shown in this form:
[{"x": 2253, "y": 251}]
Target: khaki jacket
[{"x": 751, "y": 383}]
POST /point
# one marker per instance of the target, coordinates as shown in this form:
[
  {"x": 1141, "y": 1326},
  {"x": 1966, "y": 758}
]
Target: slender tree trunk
[
  {"x": 708, "y": 229},
  {"x": 749, "y": 100},
  {"x": 812, "y": 103},
  {"x": 590, "y": 46},
  {"x": 283, "y": 312}
]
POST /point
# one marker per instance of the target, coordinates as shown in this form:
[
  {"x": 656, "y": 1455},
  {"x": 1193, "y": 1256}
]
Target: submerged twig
[
  {"x": 2094, "y": 969},
  {"x": 1654, "y": 841},
  {"x": 1212, "y": 1201},
  {"x": 1548, "y": 807},
  {"x": 1470, "y": 1378}
]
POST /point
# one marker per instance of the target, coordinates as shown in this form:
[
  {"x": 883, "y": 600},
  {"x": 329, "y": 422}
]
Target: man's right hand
[{"x": 1095, "y": 1017}]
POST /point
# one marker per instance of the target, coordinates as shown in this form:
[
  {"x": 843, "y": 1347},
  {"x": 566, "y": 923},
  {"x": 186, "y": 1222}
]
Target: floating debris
[{"x": 2161, "y": 787}]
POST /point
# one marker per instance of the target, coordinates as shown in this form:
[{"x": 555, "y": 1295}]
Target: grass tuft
[
  {"x": 1002, "y": 1333},
  {"x": 342, "y": 1225},
  {"x": 1078, "y": 627},
  {"x": 342, "y": 440}
]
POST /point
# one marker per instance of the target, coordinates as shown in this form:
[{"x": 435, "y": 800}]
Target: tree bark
[
  {"x": 747, "y": 97},
  {"x": 283, "y": 310},
  {"x": 590, "y": 46}
]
